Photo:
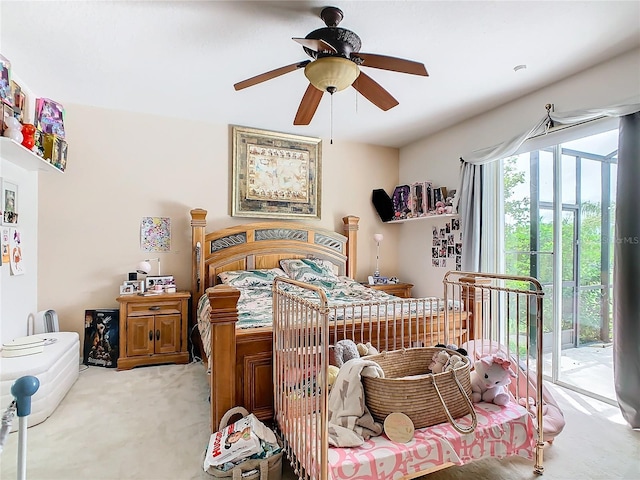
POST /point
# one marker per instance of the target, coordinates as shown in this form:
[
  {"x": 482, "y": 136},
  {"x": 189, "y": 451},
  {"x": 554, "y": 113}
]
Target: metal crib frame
[{"x": 481, "y": 307}]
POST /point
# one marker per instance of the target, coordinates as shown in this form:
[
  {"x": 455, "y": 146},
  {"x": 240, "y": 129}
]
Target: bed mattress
[
  {"x": 501, "y": 432},
  {"x": 57, "y": 368}
]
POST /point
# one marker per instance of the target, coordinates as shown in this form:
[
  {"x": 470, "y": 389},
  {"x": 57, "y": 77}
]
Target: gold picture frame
[{"x": 275, "y": 175}]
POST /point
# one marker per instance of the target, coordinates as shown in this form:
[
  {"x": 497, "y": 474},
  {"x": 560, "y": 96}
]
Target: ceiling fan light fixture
[{"x": 331, "y": 74}]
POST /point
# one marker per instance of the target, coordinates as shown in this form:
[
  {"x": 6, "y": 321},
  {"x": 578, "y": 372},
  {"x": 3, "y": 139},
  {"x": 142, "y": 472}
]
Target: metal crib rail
[{"x": 507, "y": 315}]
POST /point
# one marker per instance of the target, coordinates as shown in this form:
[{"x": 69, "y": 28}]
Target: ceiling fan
[{"x": 336, "y": 65}]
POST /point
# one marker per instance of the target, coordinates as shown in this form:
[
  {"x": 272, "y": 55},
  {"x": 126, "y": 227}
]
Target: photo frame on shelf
[
  {"x": 19, "y": 100},
  {"x": 401, "y": 201},
  {"x": 5, "y": 80},
  {"x": 418, "y": 199},
  {"x": 275, "y": 175},
  {"x": 49, "y": 116},
  {"x": 9, "y": 204}
]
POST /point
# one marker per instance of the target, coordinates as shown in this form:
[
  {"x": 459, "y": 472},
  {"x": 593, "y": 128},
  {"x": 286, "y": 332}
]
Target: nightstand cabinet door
[
  {"x": 167, "y": 333},
  {"x": 140, "y": 336}
]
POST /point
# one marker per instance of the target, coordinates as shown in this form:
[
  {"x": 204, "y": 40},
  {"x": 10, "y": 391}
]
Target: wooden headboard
[{"x": 263, "y": 245}]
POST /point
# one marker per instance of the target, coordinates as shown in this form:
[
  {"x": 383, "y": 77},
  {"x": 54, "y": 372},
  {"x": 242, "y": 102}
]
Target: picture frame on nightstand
[
  {"x": 378, "y": 280},
  {"x": 152, "y": 280}
]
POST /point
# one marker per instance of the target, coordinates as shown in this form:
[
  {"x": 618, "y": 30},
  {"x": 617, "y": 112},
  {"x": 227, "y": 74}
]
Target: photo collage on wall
[{"x": 446, "y": 248}]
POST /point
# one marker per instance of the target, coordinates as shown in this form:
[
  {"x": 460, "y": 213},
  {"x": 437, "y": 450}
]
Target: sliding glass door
[{"x": 558, "y": 226}]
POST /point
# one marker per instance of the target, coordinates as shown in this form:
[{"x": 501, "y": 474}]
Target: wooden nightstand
[
  {"x": 153, "y": 329},
  {"x": 402, "y": 290}
]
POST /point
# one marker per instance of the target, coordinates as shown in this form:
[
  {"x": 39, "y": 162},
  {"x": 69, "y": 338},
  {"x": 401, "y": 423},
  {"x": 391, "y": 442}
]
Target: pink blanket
[{"x": 501, "y": 432}]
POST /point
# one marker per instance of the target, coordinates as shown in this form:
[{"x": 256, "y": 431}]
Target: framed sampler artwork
[{"x": 275, "y": 175}]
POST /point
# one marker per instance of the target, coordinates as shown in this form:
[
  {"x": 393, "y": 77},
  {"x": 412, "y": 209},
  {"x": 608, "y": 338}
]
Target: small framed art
[{"x": 9, "y": 202}]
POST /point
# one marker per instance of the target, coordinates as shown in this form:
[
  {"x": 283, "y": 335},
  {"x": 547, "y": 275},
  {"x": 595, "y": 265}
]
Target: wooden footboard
[{"x": 242, "y": 365}]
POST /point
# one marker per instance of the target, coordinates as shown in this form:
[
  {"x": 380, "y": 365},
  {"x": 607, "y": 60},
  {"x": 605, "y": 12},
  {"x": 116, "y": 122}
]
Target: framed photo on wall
[
  {"x": 276, "y": 175},
  {"x": 9, "y": 202}
]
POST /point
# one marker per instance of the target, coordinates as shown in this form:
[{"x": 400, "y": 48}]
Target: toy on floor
[{"x": 489, "y": 379}]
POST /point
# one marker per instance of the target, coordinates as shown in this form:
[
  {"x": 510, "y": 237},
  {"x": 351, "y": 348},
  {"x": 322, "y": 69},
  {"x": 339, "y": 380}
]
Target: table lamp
[
  {"x": 145, "y": 267},
  {"x": 378, "y": 238}
]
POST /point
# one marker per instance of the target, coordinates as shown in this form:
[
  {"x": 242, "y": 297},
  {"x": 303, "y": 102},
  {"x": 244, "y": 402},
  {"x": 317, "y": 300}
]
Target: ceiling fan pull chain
[{"x": 331, "y": 119}]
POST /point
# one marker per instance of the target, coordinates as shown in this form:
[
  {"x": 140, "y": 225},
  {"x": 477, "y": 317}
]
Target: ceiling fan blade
[
  {"x": 308, "y": 106},
  {"x": 263, "y": 77},
  {"x": 316, "y": 45},
  {"x": 391, "y": 63},
  {"x": 372, "y": 91}
]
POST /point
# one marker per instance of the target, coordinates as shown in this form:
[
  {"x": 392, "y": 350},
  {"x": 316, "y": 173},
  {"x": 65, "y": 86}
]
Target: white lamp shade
[
  {"x": 144, "y": 267},
  {"x": 378, "y": 237}
]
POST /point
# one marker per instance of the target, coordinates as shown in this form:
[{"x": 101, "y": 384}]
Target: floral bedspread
[{"x": 255, "y": 304}]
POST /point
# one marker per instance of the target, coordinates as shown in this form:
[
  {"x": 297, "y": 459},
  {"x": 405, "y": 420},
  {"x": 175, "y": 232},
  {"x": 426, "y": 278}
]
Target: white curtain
[
  {"x": 626, "y": 290},
  {"x": 470, "y": 188}
]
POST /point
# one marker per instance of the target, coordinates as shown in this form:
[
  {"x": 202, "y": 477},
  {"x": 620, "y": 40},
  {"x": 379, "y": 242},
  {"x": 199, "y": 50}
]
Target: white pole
[{"x": 22, "y": 448}]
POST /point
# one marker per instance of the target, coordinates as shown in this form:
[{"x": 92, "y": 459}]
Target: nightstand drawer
[{"x": 161, "y": 307}]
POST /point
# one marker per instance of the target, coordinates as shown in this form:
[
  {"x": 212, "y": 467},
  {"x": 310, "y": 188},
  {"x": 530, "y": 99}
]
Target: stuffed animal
[
  {"x": 453, "y": 346},
  {"x": 332, "y": 375},
  {"x": 365, "y": 349},
  {"x": 490, "y": 378},
  {"x": 438, "y": 362},
  {"x": 454, "y": 362},
  {"x": 343, "y": 351}
]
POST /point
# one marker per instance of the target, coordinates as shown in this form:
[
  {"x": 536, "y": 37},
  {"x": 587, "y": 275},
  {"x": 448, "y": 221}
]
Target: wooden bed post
[
  {"x": 350, "y": 229},
  {"x": 473, "y": 298},
  {"x": 224, "y": 315},
  {"x": 198, "y": 224}
]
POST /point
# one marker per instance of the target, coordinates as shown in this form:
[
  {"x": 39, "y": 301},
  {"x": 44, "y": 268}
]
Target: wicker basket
[
  {"x": 253, "y": 469},
  {"x": 427, "y": 399}
]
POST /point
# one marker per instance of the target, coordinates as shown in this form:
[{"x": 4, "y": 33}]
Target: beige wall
[
  {"x": 124, "y": 166},
  {"x": 436, "y": 157}
]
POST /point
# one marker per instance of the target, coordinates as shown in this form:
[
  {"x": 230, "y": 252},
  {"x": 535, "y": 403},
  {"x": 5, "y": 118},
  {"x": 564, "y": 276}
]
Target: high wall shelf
[
  {"x": 424, "y": 217},
  {"x": 13, "y": 152}
]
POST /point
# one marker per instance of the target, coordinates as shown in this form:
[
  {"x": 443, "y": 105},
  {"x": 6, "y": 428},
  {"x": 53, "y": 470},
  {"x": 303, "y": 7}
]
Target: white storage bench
[{"x": 57, "y": 368}]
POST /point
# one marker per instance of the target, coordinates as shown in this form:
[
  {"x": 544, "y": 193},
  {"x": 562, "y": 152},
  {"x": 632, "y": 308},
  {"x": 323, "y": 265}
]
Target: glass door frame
[{"x": 557, "y": 254}]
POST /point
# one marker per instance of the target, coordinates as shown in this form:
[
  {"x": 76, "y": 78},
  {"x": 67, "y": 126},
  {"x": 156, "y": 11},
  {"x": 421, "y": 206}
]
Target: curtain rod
[
  {"x": 564, "y": 127},
  {"x": 550, "y": 108}
]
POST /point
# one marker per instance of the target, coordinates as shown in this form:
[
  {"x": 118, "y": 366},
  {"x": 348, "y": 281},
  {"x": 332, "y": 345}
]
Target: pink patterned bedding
[{"x": 501, "y": 432}]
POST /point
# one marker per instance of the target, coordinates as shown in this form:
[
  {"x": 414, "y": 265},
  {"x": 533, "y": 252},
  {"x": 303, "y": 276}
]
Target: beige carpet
[{"x": 151, "y": 423}]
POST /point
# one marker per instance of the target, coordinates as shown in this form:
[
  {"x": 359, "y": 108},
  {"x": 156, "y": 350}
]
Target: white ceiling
[{"x": 182, "y": 58}]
